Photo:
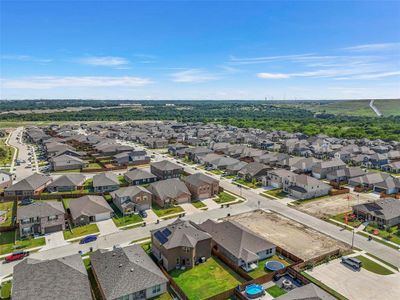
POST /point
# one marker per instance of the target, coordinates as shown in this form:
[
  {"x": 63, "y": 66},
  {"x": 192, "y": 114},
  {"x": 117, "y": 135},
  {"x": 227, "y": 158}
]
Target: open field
[
  {"x": 294, "y": 237},
  {"x": 333, "y": 205}
]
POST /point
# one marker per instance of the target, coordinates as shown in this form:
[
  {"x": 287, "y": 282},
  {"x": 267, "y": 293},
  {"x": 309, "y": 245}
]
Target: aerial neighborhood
[{"x": 173, "y": 210}]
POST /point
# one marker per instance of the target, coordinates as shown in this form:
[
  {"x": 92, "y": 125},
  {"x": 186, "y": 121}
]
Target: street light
[{"x": 352, "y": 239}]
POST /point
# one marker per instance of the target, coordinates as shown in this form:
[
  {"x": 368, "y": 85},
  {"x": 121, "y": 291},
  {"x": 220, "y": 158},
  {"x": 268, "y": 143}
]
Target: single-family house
[
  {"x": 139, "y": 176},
  {"x": 131, "y": 158},
  {"x": 307, "y": 187},
  {"x": 5, "y": 179},
  {"x": 253, "y": 170},
  {"x": 66, "y": 162},
  {"x": 105, "y": 182},
  {"x": 29, "y": 186},
  {"x": 180, "y": 244},
  {"x": 90, "y": 208},
  {"x": 169, "y": 192},
  {"x": 344, "y": 175},
  {"x": 321, "y": 169},
  {"x": 202, "y": 186},
  {"x": 132, "y": 199},
  {"x": 278, "y": 178},
  {"x": 66, "y": 183},
  {"x": 383, "y": 212},
  {"x": 127, "y": 273},
  {"x": 165, "y": 169}
]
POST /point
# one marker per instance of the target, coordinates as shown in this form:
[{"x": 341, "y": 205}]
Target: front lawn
[
  {"x": 127, "y": 219},
  {"x": 8, "y": 207},
  {"x": 207, "y": 279},
  {"x": 6, "y": 290},
  {"x": 260, "y": 270},
  {"x": 224, "y": 197},
  {"x": 161, "y": 212},
  {"x": 392, "y": 234},
  {"x": 275, "y": 291},
  {"x": 80, "y": 231},
  {"x": 277, "y": 193},
  {"x": 198, "y": 204},
  {"x": 217, "y": 172},
  {"x": 249, "y": 184},
  {"x": 353, "y": 222},
  {"x": 373, "y": 266},
  {"x": 7, "y": 244}
]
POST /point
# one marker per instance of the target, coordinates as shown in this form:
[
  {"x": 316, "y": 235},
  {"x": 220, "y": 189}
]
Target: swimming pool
[
  {"x": 254, "y": 290},
  {"x": 274, "y": 265}
]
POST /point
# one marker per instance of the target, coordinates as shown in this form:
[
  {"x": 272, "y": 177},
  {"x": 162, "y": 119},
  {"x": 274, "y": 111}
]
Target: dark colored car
[
  {"x": 16, "y": 256},
  {"x": 88, "y": 239},
  {"x": 26, "y": 201},
  {"x": 143, "y": 214}
]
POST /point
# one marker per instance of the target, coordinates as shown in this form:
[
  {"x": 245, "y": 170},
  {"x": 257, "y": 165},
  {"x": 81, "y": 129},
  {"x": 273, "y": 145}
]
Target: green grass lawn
[
  {"x": 342, "y": 218},
  {"x": 224, "y": 197},
  {"x": 127, "y": 220},
  {"x": 260, "y": 271},
  {"x": 278, "y": 193},
  {"x": 207, "y": 279},
  {"x": 7, "y": 206},
  {"x": 275, "y": 291},
  {"x": 161, "y": 212},
  {"x": 6, "y": 153},
  {"x": 6, "y": 290},
  {"x": 80, "y": 231},
  {"x": 93, "y": 166},
  {"x": 217, "y": 172},
  {"x": 393, "y": 236},
  {"x": 122, "y": 180},
  {"x": 7, "y": 244},
  {"x": 385, "y": 262},
  {"x": 373, "y": 266},
  {"x": 198, "y": 204},
  {"x": 249, "y": 184},
  {"x": 230, "y": 176}
]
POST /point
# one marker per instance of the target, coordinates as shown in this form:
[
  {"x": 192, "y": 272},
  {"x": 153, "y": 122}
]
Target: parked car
[
  {"x": 26, "y": 201},
  {"x": 143, "y": 214},
  {"x": 88, "y": 239},
  {"x": 352, "y": 262},
  {"x": 16, "y": 256}
]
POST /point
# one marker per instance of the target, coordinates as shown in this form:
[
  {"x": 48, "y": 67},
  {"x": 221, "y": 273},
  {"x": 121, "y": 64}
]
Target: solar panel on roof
[
  {"x": 160, "y": 237},
  {"x": 166, "y": 232}
]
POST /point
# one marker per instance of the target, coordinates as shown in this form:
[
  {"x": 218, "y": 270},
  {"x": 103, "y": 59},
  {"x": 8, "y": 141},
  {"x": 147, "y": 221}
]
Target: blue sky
[{"x": 200, "y": 50}]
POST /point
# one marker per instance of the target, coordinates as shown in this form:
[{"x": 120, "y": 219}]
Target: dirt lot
[
  {"x": 294, "y": 237},
  {"x": 334, "y": 205}
]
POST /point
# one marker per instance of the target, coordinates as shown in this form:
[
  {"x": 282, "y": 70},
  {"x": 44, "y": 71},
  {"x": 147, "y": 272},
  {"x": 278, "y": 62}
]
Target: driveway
[
  {"x": 211, "y": 204},
  {"x": 357, "y": 285},
  {"x": 151, "y": 217},
  {"x": 54, "y": 240},
  {"x": 189, "y": 208},
  {"x": 107, "y": 227}
]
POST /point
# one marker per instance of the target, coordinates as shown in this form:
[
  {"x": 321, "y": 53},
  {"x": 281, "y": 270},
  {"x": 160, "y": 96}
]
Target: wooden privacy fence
[{"x": 341, "y": 191}]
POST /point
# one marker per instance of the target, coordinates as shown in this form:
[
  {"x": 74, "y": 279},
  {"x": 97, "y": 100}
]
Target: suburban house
[
  {"x": 66, "y": 183},
  {"x": 169, "y": 192},
  {"x": 368, "y": 180},
  {"x": 235, "y": 168},
  {"x": 5, "y": 179},
  {"x": 241, "y": 246},
  {"x": 177, "y": 148},
  {"x": 87, "y": 209},
  {"x": 165, "y": 169},
  {"x": 253, "y": 170},
  {"x": 132, "y": 158},
  {"x": 202, "y": 186},
  {"x": 393, "y": 167},
  {"x": 384, "y": 212},
  {"x": 41, "y": 218},
  {"x": 156, "y": 143},
  {"x": 180, "y": 244},
  {"x": 344, "y": 175},
  {"x": 308, "y": 291},
  {"x": 127, "y": 273},
  {"x": 105, "y": 182},
  {"x": 29, "y": 186},
  {"x": 278, "y": 178},
  {"x": 61, "y": 278},
  {"x": 321, "y": 169},
  {"x": 307, "y": 187},
  {"x": 391, "y": 185},
  {"x": 132, "y": 199},
  {"x": 139, "y": 176},
  {"x": 66, "y": 162}
]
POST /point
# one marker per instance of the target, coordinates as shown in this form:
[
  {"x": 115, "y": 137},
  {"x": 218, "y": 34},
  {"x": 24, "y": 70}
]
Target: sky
[{"x": 275, "y": 50}]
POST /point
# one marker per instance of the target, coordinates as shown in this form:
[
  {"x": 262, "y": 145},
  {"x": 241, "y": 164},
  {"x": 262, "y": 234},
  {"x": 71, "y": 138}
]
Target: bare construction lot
[
  {"x": 294, "y": 237},
  {"x": 333, "y": 205}
]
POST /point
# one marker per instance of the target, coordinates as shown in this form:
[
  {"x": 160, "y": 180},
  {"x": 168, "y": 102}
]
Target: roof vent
[
  {"x": 132, "y": 270},
  {"x": 120, "y": 265}
]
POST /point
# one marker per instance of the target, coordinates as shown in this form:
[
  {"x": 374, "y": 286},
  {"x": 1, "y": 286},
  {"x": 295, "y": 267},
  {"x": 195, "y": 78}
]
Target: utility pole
[{"x": 352, "y": 240}]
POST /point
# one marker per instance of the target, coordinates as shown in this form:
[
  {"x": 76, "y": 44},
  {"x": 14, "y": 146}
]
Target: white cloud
[
  {"x": 26, "y": 58},
  {"x": 265, "y": 59},
  {"x": 106, "y": 61},
  {"x": 273, "y": 75},
  {"x": 371, "y": 76},
  {"x": 50, "y": 82},
  {"x": 193, "y": 76},
  {"x": 373, "y": 47}
]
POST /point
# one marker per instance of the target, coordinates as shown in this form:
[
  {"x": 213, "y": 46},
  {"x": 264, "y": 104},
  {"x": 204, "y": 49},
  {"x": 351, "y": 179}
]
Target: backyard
[
  {"x": 7, "y": 244},
  {"x": 260, "y": 271},
  {"x": 207, "y": 279},
  {"x": 224, "y": 197},
  {"x": 162, "y": 212},
  {"x": 80, "y": 231},
  {"x": 275, "y": 291},
  {"x": 6, "y": 219}
]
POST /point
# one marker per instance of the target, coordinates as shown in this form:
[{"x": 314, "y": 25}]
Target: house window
[
  {"x": 156, "y": 288},
  {"x": 178, "y": 261},
  {"x": 144, "y": 198},
  {"x": 186, "y": 249},
  {"x": 52, "y": 218}
]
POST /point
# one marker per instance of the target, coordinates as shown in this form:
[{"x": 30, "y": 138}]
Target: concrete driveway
[
  {"x": 151, "y": 217},
  {"x": 107, "y": 227},
  {"x": 358, "y": 285},
  {"x": 189, "y": 208},
  {"x": 211, "y": 204},
  {"x": 54, "y": 240}
]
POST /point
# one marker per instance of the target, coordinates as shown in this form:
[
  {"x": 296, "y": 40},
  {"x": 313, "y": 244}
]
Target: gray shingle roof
[
  {"x": 307, "y": 292},
  {"x": 88, "y": 206},
  {"x": 139, "y": 174},
  {"x": 124, "y": 271},
  {"x": 129, "y": 191},
  {"x": 30, "y": 183},
  {"x": 166, "y": 165},
  {"x": 40, "y": 209},
  {"x": 105, "y": 179},
  {"x": 68, "y": 180},
  {"x": 64, "y": 278},
  {"x": 387, "y": 209},
  {"x": 169, "y": 188},
  {"x": 200, "y": 179}
]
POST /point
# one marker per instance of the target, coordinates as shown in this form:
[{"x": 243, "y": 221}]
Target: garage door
[
  {"x": 103, "y": 216},
  {"x": 53, "y": 228},
  {"x": 204, "y": 196}
]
